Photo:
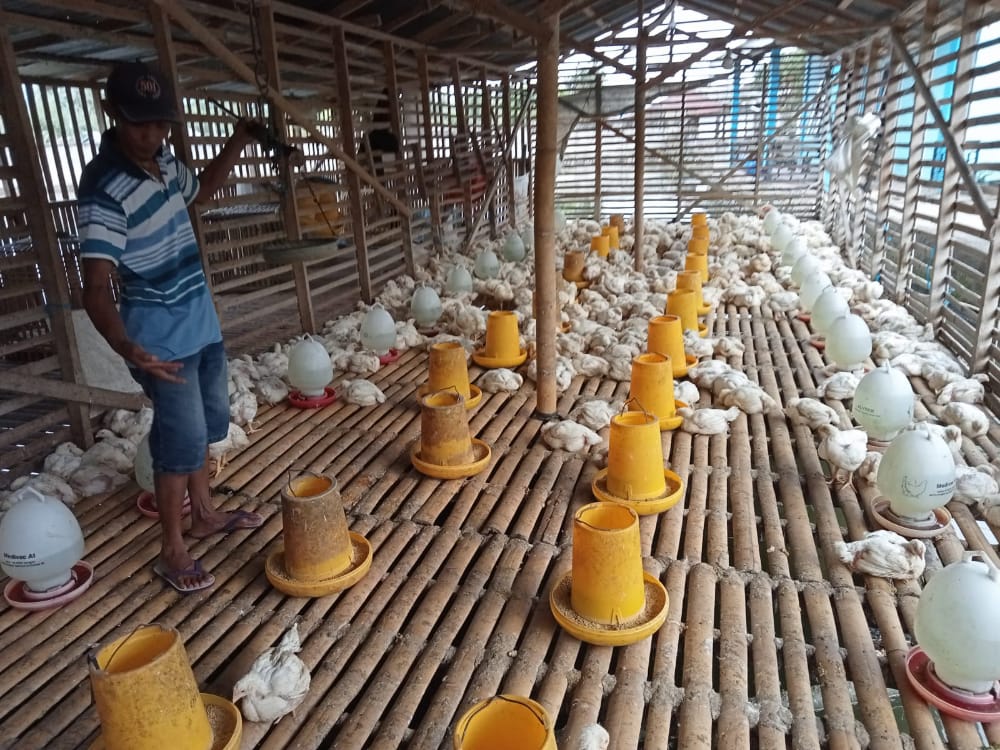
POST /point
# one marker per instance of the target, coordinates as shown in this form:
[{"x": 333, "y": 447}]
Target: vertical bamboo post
[
  {"x": 26, "y": 161},
  {"x": 889, "y": 126},
  {"x": 598, "y": 131},
  {"x": 395, "y": 122},
  {"x": 491, "y": 163},
  {"x": 640, "y": 139},
  {"x": 289, "y": 208},
  {"x": 545, "y": 171},
  {"x": 462, "y": 123},
  {"x": 433, "y": 195},
  {"x": 508, "y": 138},
  {"x": 353, "y": 183}
]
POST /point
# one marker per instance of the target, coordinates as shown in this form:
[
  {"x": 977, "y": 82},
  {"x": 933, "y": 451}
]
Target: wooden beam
[
  {"x": 546, "y": 301},
  {"x": 289, "y": 207},
  {"x": 76, "y": 393},
  {"x": 425, "y": 99},
  {"x": 508, "y": 135},
  {"x": 493, "y": 10},
  {"x": 954, "y": 150},
  {"x": 273, "y": 95},
  {"x": 395, "y": 122},
  {"x": 598, "y": 145},
  {"x": 638, "y": 215},
  {"x": 45, "y": 244}
]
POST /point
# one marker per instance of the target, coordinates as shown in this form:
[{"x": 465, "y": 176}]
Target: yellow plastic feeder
[
  {"x": 448, "y": 367},
  {"x": 684, "y": 304},
  {"x": 503, "y": 342},
  {"x": 700, "y": 231},
  {"x": 697, "y": 246},
  {"x": 653, "y": 386},
  {"x": 607, "y": 598},
  {"x": 601, "y": 244},
  {"x": 573, "y": 263},
  {"x": 618, "y": 220},
  {"x": 692, "y": 280},
  {"x": 699, "y": 219},
  {"x": 636, "y": 476},
  {"x": 612, "y": 234},
  {"x": 445, "y": 449},
  {"x": 666, "y": 336},
  {"x": 320, "y": 555},
  {"x": 697, "y": 263},
  {"x": 147, "y": 698},
  {"x": 505, "y": 722}
]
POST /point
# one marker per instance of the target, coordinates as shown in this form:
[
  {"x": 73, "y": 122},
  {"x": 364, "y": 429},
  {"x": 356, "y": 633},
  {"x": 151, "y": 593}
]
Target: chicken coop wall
[
  {"x": 452, "y": 116},
  {"x": 922, "y": 218}
]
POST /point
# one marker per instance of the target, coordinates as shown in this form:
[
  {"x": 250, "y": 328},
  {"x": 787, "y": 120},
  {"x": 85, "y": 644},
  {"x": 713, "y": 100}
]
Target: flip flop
[
  {"x": 176, "y": 577},
  {"x": 238, "y": 519}
]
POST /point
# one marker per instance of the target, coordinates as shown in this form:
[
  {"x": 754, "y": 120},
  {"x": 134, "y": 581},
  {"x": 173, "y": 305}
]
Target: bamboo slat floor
[{"x": 769, "y": 642}]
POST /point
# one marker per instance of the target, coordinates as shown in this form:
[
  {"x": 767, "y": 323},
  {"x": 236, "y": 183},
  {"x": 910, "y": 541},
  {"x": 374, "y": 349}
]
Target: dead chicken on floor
[{"x": 277, "y": 682}]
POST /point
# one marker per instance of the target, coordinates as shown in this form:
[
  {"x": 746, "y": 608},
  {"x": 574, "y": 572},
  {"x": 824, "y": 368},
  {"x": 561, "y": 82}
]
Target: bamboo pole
[
  {"x": 640, "y": 143},
  {"x": 508, "y": 159},
  {"x": 45, "y": 244},
  {"x": 395, "y": 122},
  {"x": 598, "y": 130},
  {"x": 545, "y": 262},
  {"x": 76, "y": 393},
  {"x": 217, "y": 47},
  {"x": 433, "y": 198}
]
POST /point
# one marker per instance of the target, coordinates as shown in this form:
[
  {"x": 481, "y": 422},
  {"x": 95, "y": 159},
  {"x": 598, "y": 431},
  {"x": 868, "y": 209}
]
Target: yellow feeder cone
[
  {"x": 448, "y": 368},
  {"x": 697, "y": 263},
  {"x": 635, "y": 475},
  {"x": 601, "y": 244},
  {"x": 573, "y": 263},
  {"x": 445, "y": 449},
  {"x": 699, "y": 219},
  {"x": 612, "y": 234},
  {"x": 607, "y": 598},
  {"x": 683, "y": 304},
  {"x": 503, "y": 342},
  {"x": 692, "y": 280},
  {"x": 505, "y": 722},
  {"x": 697, "y": 246},
  {"x": 321, "y": 555},
  {"x": 147, "y": 698},
  {"x": 700, "y": 231},
  {"x": 666, "y": 336},
  {"x": 618, "y": 220},
  {"x": 653, "y": 386}
]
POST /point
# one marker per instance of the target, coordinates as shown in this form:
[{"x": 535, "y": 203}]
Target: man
[{"x": 133, "y": 217}]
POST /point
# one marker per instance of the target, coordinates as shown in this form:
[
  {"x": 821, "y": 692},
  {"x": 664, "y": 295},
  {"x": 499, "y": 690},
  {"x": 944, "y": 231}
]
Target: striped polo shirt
[{"x": 141, "y": 224}]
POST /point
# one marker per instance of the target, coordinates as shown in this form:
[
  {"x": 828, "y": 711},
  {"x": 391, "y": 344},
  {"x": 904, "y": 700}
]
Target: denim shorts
[{"x": 188, "y": 416}]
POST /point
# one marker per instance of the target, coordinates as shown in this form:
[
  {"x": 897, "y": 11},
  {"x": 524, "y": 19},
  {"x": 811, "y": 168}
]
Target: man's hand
[{"x": 139, "y": 357}]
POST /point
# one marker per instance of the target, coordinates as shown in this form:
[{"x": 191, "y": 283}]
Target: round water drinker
[
  {"x": 296, "y": 399},
  {"x": 19, "y": 596},
  {"x": 961, "y": 704},
  {"x": 146, "y": 504},
  {"x": 389, "y": 357}
]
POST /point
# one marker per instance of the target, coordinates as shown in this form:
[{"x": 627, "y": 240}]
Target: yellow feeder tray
[
  {"x": 565, "y": 326},
  {"x": 705, "y": 309},
  {"x": 647, "y": 622},
  {"x": 674, "y": 491},
  {"x": 689, "y": 361},
  {"x": 672, "y": 423},
  {"x": 582, "y": 284},
  {"x": 225, "y": 719},
  {"x": 361, "y": 561},
  {"x": 476, "y": 394},
  {"x": 702, "y": 330},
  {"x": 480, "y": 358},
  {"x": 480, "y": 450}
]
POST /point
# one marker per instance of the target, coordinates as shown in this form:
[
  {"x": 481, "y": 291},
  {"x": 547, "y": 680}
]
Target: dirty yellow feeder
[
  {"x": 505, "y": 722},
  {"x": 652, "y": 386},
  {"x": 692, "y": 280},
  {"x": 601, "y": 244},
  {"x": 607, "y": 598},
  {"x": 635, "y": 475},
  {"x": 684, "y": 304},
  {"x": 445, "y": 449},
  {"x": 503, "y": 342},
  {"x": 448, "y": 367},
  {"x": 666, "y": 336},
  {"x": 697, "y": 263},
  {"x": 699, "y": 219},
  {"x": 320, "y": 555},
  {"x": 612, "y": 234},
  {"x": 573, "y": 263},
  {"x": 147, "y": 698},
  {"x": 618, "y": 220}
]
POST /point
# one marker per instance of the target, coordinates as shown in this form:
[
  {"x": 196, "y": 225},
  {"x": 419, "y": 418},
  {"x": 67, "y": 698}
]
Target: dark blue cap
[{"x": 141, "y": 93}]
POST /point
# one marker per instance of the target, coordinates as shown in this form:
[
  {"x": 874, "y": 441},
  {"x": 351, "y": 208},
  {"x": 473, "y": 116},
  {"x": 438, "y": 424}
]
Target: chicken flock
[{"x": 603, "y": 327}]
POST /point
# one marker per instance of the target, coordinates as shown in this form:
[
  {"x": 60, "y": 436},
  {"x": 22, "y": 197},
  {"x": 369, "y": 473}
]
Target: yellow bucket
[
  {"x": 612, "y": 233},
  {"x": 697, "y": 263},
  {"x": 682, "y": 303},
  {"x": 573, "y": 263},
  {"x": 653, "y": 386},
  {"x": 601, "y": 244},
  {"x": 665, "y": 336},
  {"x": 505, "y": 722},
  {"x": 502, "y": 337},
  {"x": 635, "y": 457},
  {"x": 317, "y": 540}
]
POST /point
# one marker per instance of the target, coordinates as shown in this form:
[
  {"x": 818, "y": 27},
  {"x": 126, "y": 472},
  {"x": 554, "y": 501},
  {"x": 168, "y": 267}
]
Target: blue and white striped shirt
[{"x": 141, "y": 224}]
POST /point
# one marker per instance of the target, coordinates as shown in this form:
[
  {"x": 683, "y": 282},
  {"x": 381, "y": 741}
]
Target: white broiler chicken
[
  {"x": 686, "y": 392},
  {"x": 844, "y": 450},
  {"x": 868, "y": 471},
  {"x": 812, "y": 412},
  {"x": 271, "y": 389},
  {"x": 970, "y": 418},
  {"x": 885, "y": 554},
  {"x": 234, "y": 441},
  {"x": 594, "y": 413},
  {"x": 707, "y": 421},
  {"x": 950, "y": 434},
  {"x": 570, "y": 436},
  {"x": 966, "y": 390},
  {"x": 748, "y": 398},
  {"x": 593, "y": 737},
  {"x": 243, "y": 408},
  {"x": 975, "y": 482},
  {"x": 728, "y": 346},
  {"x": 839, "y": 386},
  {"x": 277, "y": 682},
  {"x": 500, "y": 379},
  {"x": 361, "y": 392}
]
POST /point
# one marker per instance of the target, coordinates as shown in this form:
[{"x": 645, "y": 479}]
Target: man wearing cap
[{"x": 133, "y": 216}]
